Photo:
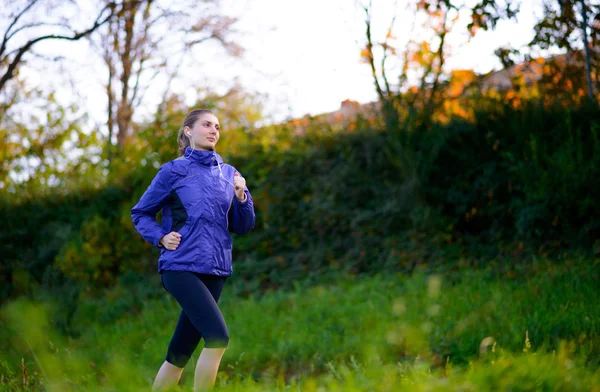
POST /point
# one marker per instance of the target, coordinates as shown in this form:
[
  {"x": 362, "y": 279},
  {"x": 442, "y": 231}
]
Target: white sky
[
  {"x": 313, "y": 52},
  {"x": 303, "y": 55}
]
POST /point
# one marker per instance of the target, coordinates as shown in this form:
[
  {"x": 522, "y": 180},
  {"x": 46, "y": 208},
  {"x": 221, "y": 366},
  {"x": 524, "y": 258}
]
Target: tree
[
  {"x": 380, "y": 78},
  {"x": 422, "y": 63},
  {"x": 47, "y": 153},
  {"x": 149, "y": 38},
  {"x": 43, "y": 145},
  {"x": 565, "y": 28},
  {"x": 564, "y": 25},
  {"x": 25, "y": 30},
  {"x": 586, "y": 46},
  {"x": 239, "y": 112}
]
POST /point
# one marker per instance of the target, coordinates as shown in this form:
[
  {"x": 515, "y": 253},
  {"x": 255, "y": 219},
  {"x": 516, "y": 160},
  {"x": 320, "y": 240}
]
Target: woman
[{"x": 202, "y": 201}]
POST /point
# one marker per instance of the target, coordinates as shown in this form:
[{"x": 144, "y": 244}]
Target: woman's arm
[
  {"x": 144, "y": 212},
  {"x": 241, "y": 216}
]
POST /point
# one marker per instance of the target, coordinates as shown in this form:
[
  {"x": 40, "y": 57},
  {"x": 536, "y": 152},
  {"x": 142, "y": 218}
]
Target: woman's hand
[
  {"x": 239, "y": 183},
  {"x": 171, "y": 241}
]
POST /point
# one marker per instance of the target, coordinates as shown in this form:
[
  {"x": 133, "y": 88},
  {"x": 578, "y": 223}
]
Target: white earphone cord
[{"x": 215, "y": 155}]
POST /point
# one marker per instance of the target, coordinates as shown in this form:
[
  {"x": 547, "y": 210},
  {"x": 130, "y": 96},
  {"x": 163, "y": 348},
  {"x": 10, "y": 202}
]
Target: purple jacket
[{"x": 197, "y": 198}]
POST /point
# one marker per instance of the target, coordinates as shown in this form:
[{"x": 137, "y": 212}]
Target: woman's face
[{"x": 205, "y": 132}]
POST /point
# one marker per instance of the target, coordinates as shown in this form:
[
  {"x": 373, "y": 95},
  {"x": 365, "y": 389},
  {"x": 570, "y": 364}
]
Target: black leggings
[{"x": 200, "y": 316}]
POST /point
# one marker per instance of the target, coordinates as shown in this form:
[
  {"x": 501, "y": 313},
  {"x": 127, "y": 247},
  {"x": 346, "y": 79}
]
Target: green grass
[{"x": 478, "y": 330}]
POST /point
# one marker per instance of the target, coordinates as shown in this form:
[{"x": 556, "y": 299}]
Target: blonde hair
[{"x": 182, "y": 139}]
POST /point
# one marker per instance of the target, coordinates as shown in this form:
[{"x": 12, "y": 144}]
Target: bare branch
[
  {"x": 135, "y": 104},
  {"x": 172, "y": 77},
  {"x": 386, "y": 47},
  {"x": 165, "y": 14},
  {"x": 215, "y": 28},
  {"x": 403, "y": 77},
  {"x": 197, "y": 41},
  {"x": 141, "y": 49},
  {"x": 78, "y": 35},
  {"x": 37, "y": 55},
  {"x": 370, "y": 50},
  {"x": 32, "y": 25},
  {"x": 440, "y": 56},
  {"x": 138, "y": 77},
  {"x": 14, "y": 22}
]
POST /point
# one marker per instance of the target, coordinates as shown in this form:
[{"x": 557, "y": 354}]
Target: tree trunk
[
  {"x": 588, "y": 67},
  {"x": 110, "y": 123},
  {"x": 124, "y": 111}
]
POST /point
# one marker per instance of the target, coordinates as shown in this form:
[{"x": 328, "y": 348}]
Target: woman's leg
[
  {"x": 167, "y": 377},
  {"x": 210, "y": 358},
  {"x": 198, "y": 295},
  {"x": 207, "y": 368},
  {"x": 184, "y": 341}
]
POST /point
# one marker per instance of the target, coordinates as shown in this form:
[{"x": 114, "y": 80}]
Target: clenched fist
[
  {"x": 239, "y": 184},
  {"x": 171, "y": 241}
]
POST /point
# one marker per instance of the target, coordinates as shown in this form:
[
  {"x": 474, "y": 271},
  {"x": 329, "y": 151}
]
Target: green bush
[{"x": 511, "y": 182}]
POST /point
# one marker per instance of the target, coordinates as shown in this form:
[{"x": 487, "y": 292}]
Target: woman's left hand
[{"x": 239, "y": 183}]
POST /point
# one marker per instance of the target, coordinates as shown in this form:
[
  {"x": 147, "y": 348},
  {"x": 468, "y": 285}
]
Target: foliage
[
  {"x": 514, "y": 179},
  {"x": 458, "y": 176},
  {"x": 45, "y": 149},
  {"x": 522, "y": 170},
  {"x": 471, "y": 330},
  {"x": 419, "y": 84}
]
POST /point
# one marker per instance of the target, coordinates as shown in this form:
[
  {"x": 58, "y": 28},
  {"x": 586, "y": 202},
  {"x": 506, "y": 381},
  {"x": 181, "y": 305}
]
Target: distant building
[{"x": 462, "y": 83}]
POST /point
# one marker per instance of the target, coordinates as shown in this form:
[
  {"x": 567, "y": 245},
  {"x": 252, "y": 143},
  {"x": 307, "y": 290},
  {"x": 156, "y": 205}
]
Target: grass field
[{"x": 535, "y": 329}]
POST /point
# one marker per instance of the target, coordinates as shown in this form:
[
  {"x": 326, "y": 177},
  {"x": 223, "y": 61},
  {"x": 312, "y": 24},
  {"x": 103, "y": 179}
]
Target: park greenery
[{"x": 446, "y": 237}]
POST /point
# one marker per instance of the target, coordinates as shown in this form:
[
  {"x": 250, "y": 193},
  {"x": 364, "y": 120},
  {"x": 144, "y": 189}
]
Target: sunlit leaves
[
  {"x": 487, "y": 13},
  {"x": 47, "y": 149}
]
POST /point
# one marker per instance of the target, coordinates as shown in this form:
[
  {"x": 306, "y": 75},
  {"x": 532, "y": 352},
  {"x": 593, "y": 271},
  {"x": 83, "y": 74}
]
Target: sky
[
  {"x": 310, "y": 49},
  {"x": 302, "y": 56}
]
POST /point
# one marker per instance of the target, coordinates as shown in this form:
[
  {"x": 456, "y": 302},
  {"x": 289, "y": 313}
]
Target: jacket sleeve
[
  {"x": 241, "y": 217},
  {"x": 144, "y": 212}
]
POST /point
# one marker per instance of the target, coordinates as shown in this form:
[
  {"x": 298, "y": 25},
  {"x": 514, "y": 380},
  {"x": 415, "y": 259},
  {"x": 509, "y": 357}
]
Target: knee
[
  {"x": 217, "y": 339},
  {"x": 178, "y": 360}
]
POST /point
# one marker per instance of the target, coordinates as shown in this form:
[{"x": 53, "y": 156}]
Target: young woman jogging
[{"x": 202, "y": 200}]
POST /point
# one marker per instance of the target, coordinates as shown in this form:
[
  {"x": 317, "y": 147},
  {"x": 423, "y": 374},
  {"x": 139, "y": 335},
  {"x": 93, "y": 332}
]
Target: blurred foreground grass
[{"x": 469, "y": 331}]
